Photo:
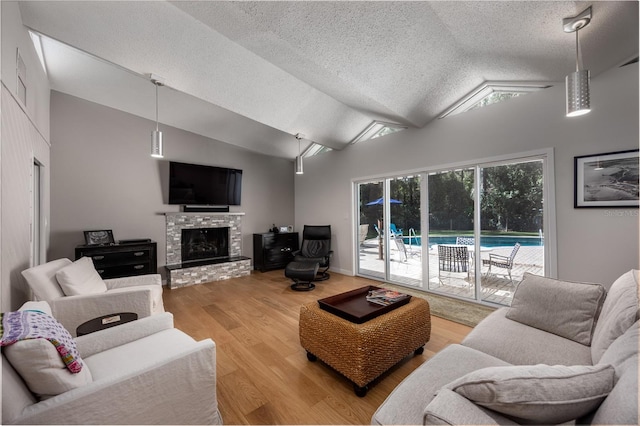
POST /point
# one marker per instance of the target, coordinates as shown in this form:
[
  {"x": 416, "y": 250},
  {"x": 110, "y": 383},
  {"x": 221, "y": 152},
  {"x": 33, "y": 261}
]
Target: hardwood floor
[{"x": 263, "y": 375}]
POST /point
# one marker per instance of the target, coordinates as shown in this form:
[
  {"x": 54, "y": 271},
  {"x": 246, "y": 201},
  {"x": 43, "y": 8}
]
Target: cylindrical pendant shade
[
  {"x": 156, "y": 144},
  {"x": 578, "y": 102},
  {"x": 299, "y": 170}
]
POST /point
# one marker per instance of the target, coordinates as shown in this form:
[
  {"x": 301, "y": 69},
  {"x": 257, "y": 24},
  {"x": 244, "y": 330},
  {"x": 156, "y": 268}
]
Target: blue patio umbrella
[{"x": 381, "y": 201}]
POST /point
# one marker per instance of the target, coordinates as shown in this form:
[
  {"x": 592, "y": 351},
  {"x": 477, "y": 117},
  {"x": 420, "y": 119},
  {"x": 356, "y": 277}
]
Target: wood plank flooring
[{"x": 263, "y": 375}]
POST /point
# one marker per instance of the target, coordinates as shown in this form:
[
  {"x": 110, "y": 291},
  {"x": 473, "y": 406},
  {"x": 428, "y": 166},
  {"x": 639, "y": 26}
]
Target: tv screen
[{"x": 195, "y": 184}]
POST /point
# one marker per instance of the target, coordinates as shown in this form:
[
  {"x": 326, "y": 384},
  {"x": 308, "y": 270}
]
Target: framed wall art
[
  {"x": 93, "y": 238},
  {"x": 607, "y": 180}
]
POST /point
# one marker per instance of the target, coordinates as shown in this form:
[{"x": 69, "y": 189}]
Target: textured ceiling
[{"x": 255, "y": 73}]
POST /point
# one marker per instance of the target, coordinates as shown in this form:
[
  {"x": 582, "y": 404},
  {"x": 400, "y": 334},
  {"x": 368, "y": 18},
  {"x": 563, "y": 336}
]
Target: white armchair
[
  {"x": 140, "y": 294},
  {"x": 141, "y": 372}
]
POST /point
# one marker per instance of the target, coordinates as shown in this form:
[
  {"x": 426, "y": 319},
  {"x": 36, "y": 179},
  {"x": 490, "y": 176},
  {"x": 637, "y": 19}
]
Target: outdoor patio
[{"x": 407, "y": 271}]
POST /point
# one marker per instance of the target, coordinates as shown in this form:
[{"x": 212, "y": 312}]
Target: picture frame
[
  {"x": 99, "y": 238},
  {"x": 284, "y": 229},
  {"x": 607, "y": 180}
]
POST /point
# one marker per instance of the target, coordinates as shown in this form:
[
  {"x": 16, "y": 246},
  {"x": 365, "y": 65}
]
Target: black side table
[{"x": 104, "y": 322}]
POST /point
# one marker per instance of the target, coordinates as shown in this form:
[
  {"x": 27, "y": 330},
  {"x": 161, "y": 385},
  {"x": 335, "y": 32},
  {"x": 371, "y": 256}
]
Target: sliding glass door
[
  {"x": 404, "y": 230},
  {"x": 389, "y": 236},
  {"x": 512, "y": 226},
  {"x": 371, "y": 245},
  {"x": 451, "y": 248},
  {"x": 469, "y": 232}
]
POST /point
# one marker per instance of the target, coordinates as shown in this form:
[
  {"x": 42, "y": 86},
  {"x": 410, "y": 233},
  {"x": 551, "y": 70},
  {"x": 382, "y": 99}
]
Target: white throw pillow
[
  {"x": 39, "y": 349},
  {"x": 80, "y": 278},
  {"x": 40, "y": 366},
  {"x": 541, "y": 394},
  {"x": 567, "y": 309}
]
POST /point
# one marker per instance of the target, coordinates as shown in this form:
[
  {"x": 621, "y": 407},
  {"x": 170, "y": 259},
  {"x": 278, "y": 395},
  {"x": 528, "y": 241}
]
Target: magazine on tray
[{"x": 384, "y": 296}]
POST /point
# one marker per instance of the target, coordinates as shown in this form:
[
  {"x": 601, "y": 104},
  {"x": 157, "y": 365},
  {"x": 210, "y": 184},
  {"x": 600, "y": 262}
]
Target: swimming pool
[{"x": 488, "y": 241}]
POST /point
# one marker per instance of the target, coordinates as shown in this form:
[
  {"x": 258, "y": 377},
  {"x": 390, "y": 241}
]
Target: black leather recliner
[{"x": 316, "y": 248}]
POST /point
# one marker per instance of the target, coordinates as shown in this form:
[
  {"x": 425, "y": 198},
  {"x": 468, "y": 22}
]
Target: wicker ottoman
[{"x": 362, "y": 352}]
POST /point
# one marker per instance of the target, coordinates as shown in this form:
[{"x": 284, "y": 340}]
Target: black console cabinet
[
  {"x": 122, "y": 260},
  {"x": 274, "y": 251}
]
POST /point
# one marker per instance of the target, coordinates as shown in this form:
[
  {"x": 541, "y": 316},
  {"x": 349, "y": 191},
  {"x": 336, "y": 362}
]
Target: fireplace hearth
[{"x": 205, "y": 243}]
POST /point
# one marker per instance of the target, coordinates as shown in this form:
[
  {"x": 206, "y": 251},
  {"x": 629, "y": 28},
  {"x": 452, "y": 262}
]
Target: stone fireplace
[{"x": 204, "y": 247}]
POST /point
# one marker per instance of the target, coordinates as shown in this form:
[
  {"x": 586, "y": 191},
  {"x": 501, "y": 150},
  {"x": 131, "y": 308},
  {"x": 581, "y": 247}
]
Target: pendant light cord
[
  {"x": 577, "y": 52},
  {"x": 156, "y": 84}
]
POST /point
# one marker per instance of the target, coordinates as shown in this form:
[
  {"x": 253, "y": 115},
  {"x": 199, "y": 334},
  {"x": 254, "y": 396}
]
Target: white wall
[
  {"x": 103, "y": 177},
  {"x": 593, "y": 244},
  {"x": 15, "y": 36},
  {"x": 24, "y": 138}
]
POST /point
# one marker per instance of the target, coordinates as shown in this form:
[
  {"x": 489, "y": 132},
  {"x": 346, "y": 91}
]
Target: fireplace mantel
[{"x": 203, "y": 214}]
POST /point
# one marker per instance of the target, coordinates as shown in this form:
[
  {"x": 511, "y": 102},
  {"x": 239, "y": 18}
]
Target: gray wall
[
  {"x": 25, "y": 139},
  {"x": 593, "y": 244},
  {"x": 104, "y": 178}
]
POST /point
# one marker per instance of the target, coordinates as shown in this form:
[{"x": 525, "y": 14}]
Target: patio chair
[
  {"x": 453, "y": 259},
  {"x": 394, "y": 230},
  {"x": 465, "y": 241},
  {"x": 401, "y": 247},
  {"x": 362, "y": 234},
  {"x": 501, "y": 261}
]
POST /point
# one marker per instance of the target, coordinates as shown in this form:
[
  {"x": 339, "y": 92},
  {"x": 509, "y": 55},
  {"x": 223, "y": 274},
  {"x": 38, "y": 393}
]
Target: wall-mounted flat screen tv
[{"x": 199, "y": 185}]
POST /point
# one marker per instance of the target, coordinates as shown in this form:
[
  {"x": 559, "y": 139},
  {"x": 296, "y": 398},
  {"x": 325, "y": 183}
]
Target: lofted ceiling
[{"x": 253, "y": 74}]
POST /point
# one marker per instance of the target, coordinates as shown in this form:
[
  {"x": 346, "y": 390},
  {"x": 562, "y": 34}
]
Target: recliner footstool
[{"x": 302, "y": 273}]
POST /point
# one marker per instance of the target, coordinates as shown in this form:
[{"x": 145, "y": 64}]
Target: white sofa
[
  {"x": 141, "y": 372},
  {"x": 562, "y": 352},
  {"x": 77, "y": 300}
]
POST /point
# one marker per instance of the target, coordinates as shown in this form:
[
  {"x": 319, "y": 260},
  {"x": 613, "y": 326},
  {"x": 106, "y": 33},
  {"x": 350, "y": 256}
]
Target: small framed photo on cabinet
[{"x": 98, "y": 238}]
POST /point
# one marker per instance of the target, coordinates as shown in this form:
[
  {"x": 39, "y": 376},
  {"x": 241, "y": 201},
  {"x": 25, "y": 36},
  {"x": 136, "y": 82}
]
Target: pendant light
[
  {"x": 299, "y": 170},
  {"x": 578, "y": 102},
  {"x": 156, "y": 135}
]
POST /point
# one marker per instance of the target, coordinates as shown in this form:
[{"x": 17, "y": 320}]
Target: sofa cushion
[
  {"x": 135, "y": 355},
  {"x": 42, "y": 279},
  {"x": 621, "y": 406},
  {"x": 565, "y": 308},
  {"x": 540, "y": 393},
  {"x": 407, "y": 402},
  {"x": 619, "y": 312},
  {"x": 41, "y": 306},
  {"x": 15, "y": 394},
  {"x": 450, "y": 408},
  {"x": 80, "y": 278},
  {"x": 520, "y": 344}
]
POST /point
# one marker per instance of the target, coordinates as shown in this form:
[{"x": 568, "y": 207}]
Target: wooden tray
[{"x": 354, "y": 306}]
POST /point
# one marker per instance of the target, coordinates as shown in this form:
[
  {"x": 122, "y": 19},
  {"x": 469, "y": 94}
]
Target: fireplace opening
[{"x": 205, "y": 243}]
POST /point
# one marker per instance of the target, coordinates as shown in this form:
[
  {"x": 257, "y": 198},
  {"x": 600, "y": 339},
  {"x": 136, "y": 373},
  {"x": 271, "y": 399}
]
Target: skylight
[
  {"x": 315, "y": 149},
  {"x": 493, "y": 92},
  {"x": 494, "y": 98},
  {"x": 377, "y": 129},
  {"x": 37, "y": 43}
]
